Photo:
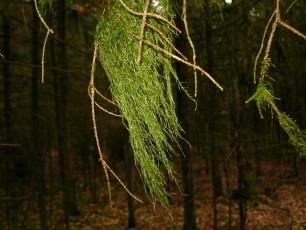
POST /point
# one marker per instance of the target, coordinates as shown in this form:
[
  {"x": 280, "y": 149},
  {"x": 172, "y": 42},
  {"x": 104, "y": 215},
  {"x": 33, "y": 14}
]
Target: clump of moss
[
  {"x": 297, "y": 137},
  {"x": 142, "y": 91},
  {"x": 264, "y": 98}
]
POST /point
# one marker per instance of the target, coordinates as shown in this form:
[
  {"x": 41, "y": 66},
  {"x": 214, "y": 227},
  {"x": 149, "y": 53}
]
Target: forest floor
[{"x": 280, "y": 203}]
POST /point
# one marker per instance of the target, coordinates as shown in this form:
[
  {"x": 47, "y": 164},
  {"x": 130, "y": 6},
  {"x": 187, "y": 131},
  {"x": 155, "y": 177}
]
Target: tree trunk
[
  {"x": 242, "y": 202},
  {"x": 188, "y": 191},
  {"x": 11, "y": 214},
  {"x": 36, "y": 134},
  {"x": 185, "y": 154},
  {"x": 128, "y": 153},
  {"x": 70, "y": 206},
  {"x": 185, "y": 151},
  {"x": 215, "y": 165}
]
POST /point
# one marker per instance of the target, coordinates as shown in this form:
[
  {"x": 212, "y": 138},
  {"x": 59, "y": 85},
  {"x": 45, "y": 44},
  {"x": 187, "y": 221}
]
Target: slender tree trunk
[
  {"x": 185, "y": 153},
  {"x": 242, "y": 201},
  {"x": 215, "y": 191},
  {"x": 131, "y": 206},
  {"x": 238, "y": 125},
  {"x": 186, "y": 157},
  {"x": 188, "y": 191},
  {"x": 228, "y": 188},
  {"x": 11, "y": 214},
  {"x": 6, "y": 51},
  {"x": 70, "y": 207},
  {"x": 215, "y": 165},
  {"x": 93, "y": 176},
  {"x": 36, "y": 134}
]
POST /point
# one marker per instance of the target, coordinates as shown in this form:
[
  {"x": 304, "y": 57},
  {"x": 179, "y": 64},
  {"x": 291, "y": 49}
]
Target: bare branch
[
  {"x": 142, "y": 29},
  {"x": 292, "y": 29}
]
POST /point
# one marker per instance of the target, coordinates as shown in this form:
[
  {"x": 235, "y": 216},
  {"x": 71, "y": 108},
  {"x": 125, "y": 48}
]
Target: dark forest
[{"x": 153, "y": 114}]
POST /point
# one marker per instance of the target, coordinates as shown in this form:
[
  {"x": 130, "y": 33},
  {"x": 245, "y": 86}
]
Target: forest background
[{"x": 240, "y": 173}]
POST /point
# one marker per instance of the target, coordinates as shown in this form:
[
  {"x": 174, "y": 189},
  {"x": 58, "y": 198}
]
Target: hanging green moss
[
  {"x": 264, "y": 98},
  {"x": 297, "y": 137},
  {"x": 45, "y": 4},
  {"x": 142, "y": 91},
  {"x": 263, "y": 95}
]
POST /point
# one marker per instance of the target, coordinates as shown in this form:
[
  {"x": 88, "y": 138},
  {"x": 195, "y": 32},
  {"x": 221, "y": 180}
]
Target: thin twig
[
  {"x": 17, "y": 199},
  {"x": 101, "y": 107},
  {"x": 107, "y": 111},
  {"x": 292, "y": 29},
  {"x": 123, "y": 185},
  {"x": 291, "y": 5},
  {"x": 105, "y": 166},
  {"x": 9, "y": 145},
  {"x": 194, "y": 56},
  {"x": 51, "y": 68},
  {"x": 271, "y": 37},
  {"x": 274, "y": 27},
  {"x": 105, "y": 98},
  {"x": 41, "y": 18},
  {"x": 93, "y": 114},
  {"x": 181, "y": 60},
  {"x": 43, "y": 57},
  {"x": 157, "y": 16},
  {"x": 262, "y": 46},
  {"x": 142, "y": 28},
  {"x": 277, "y": 22},
  {"x": 167, "y": 40},
  {"x": 49, "y": 31}
]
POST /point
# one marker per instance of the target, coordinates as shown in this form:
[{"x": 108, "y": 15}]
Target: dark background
[{"x": 241, "y": 172}]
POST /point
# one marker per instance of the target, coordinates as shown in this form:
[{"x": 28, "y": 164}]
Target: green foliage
[
  {"x": 264, "y": 98},
  {"x": 142, "y": 91},
  {"x": 297, "y": 137},
  {"x": 45, "y": 4},
  {"x": 263, "y": 95}
]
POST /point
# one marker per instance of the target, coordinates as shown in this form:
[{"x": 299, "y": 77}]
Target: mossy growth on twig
[
  {"x": 263, "y": 95},
  {"x": 142, "y": 90},
  {"x": 264, "y": 98},
  {"x": 297, "y": 137}
]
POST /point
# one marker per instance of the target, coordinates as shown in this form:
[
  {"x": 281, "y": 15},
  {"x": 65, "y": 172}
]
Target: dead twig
[
  {"x": 198, "y": 68},
  {"x": 105, "y": 166},
  {"x": 292, "y": 29},
  {"x": 142, "y": 29},
  {"x": 157, "y": 16},
  {"x": 194, "y": 56},
  {"x": 49, "y": 31}
]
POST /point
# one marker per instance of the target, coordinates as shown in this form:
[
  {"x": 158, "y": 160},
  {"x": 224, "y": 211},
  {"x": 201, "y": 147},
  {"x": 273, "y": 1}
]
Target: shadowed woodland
[{"x": 158, "y": 114}]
